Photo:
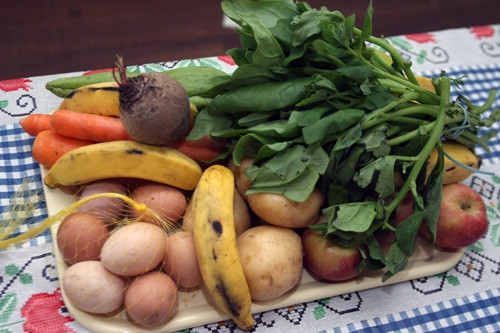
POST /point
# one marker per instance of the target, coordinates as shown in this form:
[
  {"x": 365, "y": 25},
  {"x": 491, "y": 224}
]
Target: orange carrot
[
  {"x": 49, "y": 146},
  {"x": 86, "y": 126},
  {"x": 35, "y": 123}
]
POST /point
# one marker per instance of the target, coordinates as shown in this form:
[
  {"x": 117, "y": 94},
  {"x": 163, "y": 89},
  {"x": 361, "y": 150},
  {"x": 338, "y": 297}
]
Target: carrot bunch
[{"x": 64, "y": 130}]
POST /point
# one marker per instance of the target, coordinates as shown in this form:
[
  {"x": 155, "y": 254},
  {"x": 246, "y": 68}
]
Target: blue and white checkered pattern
[
  {"x": 456, "y": 315},
  {"x": 479, "y": 80},
  {"x": 20, "y": 181}
]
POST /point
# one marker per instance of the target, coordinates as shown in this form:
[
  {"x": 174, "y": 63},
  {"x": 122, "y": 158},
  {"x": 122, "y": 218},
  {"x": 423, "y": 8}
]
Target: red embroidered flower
[
  {"x": 15, "y": 84},
  {"x": 421, "y": 38},
  {"x": 43, "y": 314},
  {"x": 227, "y": 59},
  {"x": 482, "y": 31}
]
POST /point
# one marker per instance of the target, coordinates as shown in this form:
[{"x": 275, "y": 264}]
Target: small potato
[
  {"x": 241, "y": 180},
  {"x": 92, "y": 288},
  {"x": 134, "y": 249},
  {"x": 242, "y": 217},
  {"x": 272, "y": 260},
  {"x": 151, "y": 299},
  {"x": 81, "y": 236},
  {"x": 278, "y": 210},
  {"x": 181, "y": 263},
  {"x": 167, "y": 201},
  {"x": 108, "y": 209}
]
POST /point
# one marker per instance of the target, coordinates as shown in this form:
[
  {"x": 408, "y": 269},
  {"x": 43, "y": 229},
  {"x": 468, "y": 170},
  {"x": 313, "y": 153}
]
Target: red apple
[
  {"x": 462, "y": 219},
  {"x": 328, "y": 260}
]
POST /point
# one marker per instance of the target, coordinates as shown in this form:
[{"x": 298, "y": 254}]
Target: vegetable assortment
[
  {"x": 323, "y": 151},
  {"x": 316, "y": 103}
]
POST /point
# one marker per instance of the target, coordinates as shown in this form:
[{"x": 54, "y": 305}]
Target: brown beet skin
[{"x": 154, "y": 108}]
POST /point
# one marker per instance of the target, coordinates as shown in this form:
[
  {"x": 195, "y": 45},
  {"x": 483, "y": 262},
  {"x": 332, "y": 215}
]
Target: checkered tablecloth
[{"x": 465, "y": 298}]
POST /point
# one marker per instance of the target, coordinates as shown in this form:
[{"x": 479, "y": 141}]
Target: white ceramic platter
[{"x": 196, "y": 309}]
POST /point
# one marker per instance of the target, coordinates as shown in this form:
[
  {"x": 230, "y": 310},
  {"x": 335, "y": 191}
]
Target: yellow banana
[
  {"x": 454, "y": 173},
  {"x": 425, "y": 83},
  {"x": 215, "y": 244},
  {"x": 103, "y": 99},
  {"x": 98, "y": 98},
  {"x": 124, "y": 159}
]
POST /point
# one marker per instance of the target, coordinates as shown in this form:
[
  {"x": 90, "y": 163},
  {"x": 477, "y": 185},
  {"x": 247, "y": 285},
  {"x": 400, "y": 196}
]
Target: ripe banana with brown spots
[
  {"x": 215, "y": 244},
  {"x": 454, "y": 172},
  {"x": 124, "y": 159},
  {"x": 98, "y": 98}
]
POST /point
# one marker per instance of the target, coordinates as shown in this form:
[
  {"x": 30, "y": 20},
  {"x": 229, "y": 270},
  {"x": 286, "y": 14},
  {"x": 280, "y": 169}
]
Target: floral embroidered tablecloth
[{"x": 465, "y": 298}]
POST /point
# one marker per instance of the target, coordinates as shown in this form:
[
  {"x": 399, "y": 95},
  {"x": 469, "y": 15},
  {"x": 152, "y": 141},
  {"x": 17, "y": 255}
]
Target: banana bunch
[
  {"x": 215, "y": 244},
  {"x": 453, "y": 171},
  {"x": 124, "y": 159}
]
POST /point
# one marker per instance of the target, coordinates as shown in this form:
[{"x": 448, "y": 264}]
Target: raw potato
[
  {"x": 272, "y": 259},
  {"x": 241, "y": 180},
  {"x": 242, "y": 217},
  {"x": 134, "y": 249},
  {"x": 92, "y": 288},
  {"x": 166, "y": 201},
  {"x": 107, "y": 209},
  {"x": 278, "y": 210},
  {"x": 151, "y": 299},
  {"x": 80, "y": 237},
  {"x": 181, "y": 263}
]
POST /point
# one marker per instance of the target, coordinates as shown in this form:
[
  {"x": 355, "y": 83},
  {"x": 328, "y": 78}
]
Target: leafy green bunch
[{"x": 317, "y": 105}]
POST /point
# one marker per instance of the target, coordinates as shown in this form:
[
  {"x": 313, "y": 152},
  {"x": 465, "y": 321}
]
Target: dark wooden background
[{"x": 50, "y": 37}]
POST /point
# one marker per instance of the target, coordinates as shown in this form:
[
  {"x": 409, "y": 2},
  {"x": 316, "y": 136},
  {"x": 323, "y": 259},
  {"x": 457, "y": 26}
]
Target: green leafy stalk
[
  {"x": 395, "y": 55},
  {"x": 421, "y": 158}
]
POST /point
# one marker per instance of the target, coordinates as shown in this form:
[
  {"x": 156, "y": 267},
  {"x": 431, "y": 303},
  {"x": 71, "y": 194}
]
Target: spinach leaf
[
  {"x": 206, "y": 123},
  {"x": 297, "y": 190},
  {"x": 258, "y": 19},
  {"x": 381, "y": 172},
  {"x": 407, "y": 230},
  {"x": 356, "y": 71},
  {"x": 433, "y": 194},
  {"x": 261, "y": 97},
  {"x": 249, "y": 145},
  {"x": 308, "y": 24},
  {"x": 331, "y": 124},
  {"x": 348, "y": 138},
  {"x": 354, "y": 217},
  {"x": 396, "y": 260},
  {"x": 290, "y": 171}
]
